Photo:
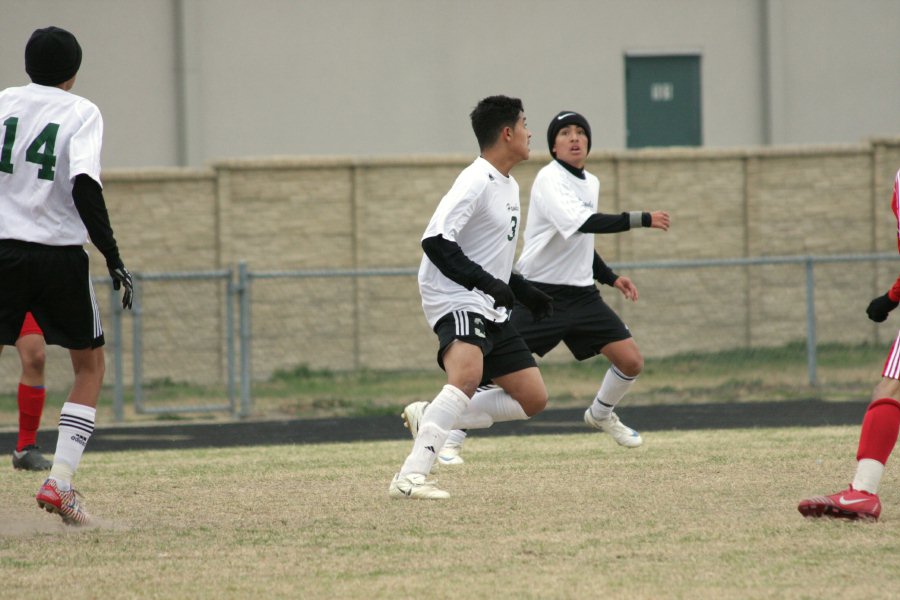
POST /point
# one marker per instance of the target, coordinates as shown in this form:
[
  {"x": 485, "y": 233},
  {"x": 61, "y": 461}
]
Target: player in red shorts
[
  {"x": 31, "y": 397},
  {"x": 880, "y": 424}
]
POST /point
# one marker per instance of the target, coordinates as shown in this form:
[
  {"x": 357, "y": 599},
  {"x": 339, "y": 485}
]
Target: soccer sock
[
  {"x": 31, "y": 407},
  {"x": 437, "y": 420},
  {"x": 876, "y": 442},
  {"x": 868, "y": 475},
  {"x": 473, "y": 419},
  {"x": 489, "y": 406},
  {"x": 76, "y": 424},
  {"x": 456, "y": 437},
  {"x": 614, "y": 387}
]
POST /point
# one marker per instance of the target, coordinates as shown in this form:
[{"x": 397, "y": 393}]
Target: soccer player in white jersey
[
  {"x": 468, "y": 291},
  {"x": 880, "y": 425},
  {"x": 50, "y": 202},
  {"x": 559, "y": 259}
]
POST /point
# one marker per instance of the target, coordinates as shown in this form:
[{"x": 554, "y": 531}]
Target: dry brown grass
[
  {"x": 690, "y": 515},
  {"x": 845, "y": 373}
]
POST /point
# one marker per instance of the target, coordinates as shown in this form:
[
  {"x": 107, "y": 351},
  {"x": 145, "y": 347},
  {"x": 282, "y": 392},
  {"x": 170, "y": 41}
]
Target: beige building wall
[{"x": 189, "y": 82}]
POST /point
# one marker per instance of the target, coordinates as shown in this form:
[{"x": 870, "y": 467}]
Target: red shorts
[{"x": 30, "y": 326}]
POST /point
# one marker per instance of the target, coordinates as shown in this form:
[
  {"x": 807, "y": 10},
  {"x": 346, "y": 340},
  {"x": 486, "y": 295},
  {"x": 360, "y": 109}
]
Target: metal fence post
[
  {"x": 810, "y": 323},
  {"x": 118, "y": 359},
  {"x": 229, "y": 341},
  {"x": 137, "y": 344},
  {"x": 243, "y": 291}
]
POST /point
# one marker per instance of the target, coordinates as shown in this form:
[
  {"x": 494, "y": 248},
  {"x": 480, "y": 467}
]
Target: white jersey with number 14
[{"x": 47, "y": 137}]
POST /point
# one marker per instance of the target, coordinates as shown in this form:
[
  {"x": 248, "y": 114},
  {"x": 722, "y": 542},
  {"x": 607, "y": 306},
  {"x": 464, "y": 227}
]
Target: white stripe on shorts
[
  {"x": 892, "y": 366},
  {"x": 98, "y": 327},
  {"x": 460, "y": 317}
]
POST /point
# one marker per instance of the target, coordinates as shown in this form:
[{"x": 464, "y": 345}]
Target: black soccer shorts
[
  {"x": 503, "y": 348},
  {"x": 53, "y": 283},
  {"x": 581, "y": 320}
]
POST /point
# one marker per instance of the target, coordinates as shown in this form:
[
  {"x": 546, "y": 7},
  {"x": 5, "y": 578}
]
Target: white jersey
[
  {"x": 47, "y": 137},
  {"x": 555, "y": 251},
  {"x": 480, "y": 213}
]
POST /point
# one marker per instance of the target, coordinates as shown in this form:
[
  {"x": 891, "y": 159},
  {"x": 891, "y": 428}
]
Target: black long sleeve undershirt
[
  {"x": 608, "y": 223},
  {"x": 602, "y": 272},
  {"x": 599, "y": 222},
  {"x": 88, "y": 197},
  {"x": 450, "y": 260},
  {"x": 604, "y": 223}
]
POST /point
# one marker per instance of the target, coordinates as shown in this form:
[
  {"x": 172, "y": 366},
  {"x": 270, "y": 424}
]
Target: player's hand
[
  {"x": 122, "y": 280},
  {"x": 501, "y": 292},
  {"x": 539, "y": 303},
  {"x": 628, "y": 289},
  {"x": 660, "y": 220},
  {"x": 879, "y": 308}
]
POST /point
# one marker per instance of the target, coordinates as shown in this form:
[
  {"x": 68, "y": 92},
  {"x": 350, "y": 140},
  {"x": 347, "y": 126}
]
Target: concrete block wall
[{"x": 295, "y": 213}]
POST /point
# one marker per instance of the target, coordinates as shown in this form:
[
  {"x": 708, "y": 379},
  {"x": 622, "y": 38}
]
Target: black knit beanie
[
  {"x": 567, "y": 117},
  {"x": 52, "y": 56}
]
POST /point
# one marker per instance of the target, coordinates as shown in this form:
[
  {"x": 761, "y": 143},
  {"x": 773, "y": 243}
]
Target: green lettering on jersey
[
  {"x": 46, "y": 158},
  {"x": 8, "y": 138},
  {"x": 46, "y": 139},
  {"x": 512, "y": 234}
]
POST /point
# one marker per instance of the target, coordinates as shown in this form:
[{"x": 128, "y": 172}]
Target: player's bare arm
[{"x": 627, "y": 287}]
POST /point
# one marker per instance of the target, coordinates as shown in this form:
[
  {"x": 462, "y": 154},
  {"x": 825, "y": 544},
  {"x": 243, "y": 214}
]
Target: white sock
[
  {"x": 473, "y": 419},
  {"x": 437, "y": 420},
  {"x": 868, "y": 475},
  {"x": 76, "y": 424},
  {"x": 489, "y": 406},
  {"x": 614, "y": 387},
  {"x": 456, "y": 437}
]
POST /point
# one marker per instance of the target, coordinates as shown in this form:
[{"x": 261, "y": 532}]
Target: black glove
[
  {"x": 502, "y": 294},
  {"x": 539, "y": 303},
  {"x": 879, "y": 308},
  {"x": 122, "y": 279}
]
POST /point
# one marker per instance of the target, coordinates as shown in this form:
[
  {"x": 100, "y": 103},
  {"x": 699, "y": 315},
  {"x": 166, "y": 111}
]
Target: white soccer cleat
[
  {"x": 624, "y": 435},
  {"x": 416, "y": 487},
  {"x": 412, "y": 416},
  {"x": 449, "y": 455}
]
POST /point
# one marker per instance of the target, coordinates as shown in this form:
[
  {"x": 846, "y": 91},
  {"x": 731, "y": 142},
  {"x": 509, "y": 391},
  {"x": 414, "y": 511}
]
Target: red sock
[
  {"x": 879, "y": 430},
  {"x": 31, "y": 406}
]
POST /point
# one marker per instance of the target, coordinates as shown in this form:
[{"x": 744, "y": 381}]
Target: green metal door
[{"x": 662, "y": 98}]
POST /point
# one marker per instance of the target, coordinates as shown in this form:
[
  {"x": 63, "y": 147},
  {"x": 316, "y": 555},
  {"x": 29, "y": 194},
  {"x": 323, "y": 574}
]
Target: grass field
[
  {"x": 743, "y": 375},
  {"x": 707, "y": 514}
]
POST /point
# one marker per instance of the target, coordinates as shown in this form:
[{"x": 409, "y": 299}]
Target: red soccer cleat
[
  {"x": 850, "y": 504},
  {"x": 65, "y": 503}
]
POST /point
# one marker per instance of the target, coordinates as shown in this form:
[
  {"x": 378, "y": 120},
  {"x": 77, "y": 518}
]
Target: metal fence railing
[
  {"x": 808, "y": 263},
  {"x": 225, "y": 294},
  {"x": 223, "y": 330}
]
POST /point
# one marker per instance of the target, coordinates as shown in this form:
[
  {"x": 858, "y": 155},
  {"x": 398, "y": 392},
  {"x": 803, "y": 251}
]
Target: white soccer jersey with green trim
[
  {"x": 47, "y": 137},
  {"x": 555, "y": 251},
  {"x": 481, "y": 213}
]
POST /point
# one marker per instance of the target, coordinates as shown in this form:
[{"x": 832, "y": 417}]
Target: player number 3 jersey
[
  {"x": 47, "y": 137},
  {"x": 481, "y": 213}
]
